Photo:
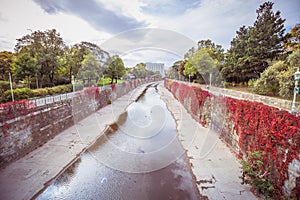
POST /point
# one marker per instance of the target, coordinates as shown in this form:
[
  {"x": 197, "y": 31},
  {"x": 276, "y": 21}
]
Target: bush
[
  {"x": 4, "y": 85},
  {"x": 253, "y": 175},
  {"x": 19, "y": 94},
  {"x": 26, "y": 93},
  {"x": 268, "y": 83},
  {"x": 287, "y": 83}
]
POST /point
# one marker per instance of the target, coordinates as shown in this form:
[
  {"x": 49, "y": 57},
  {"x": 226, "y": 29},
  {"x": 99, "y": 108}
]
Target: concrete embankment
[
  {"x": 23, "y": 178},
  {"x": 215, "y": 167}
]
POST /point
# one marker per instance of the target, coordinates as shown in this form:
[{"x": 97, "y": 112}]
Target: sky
[{"x": 137, "y": 30}]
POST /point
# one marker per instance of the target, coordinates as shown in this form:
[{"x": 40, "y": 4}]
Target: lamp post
[
  {"x": 11, "y": 87},
  {"x": 73, "y": 82},
  {"x": 296, "y": 90}
]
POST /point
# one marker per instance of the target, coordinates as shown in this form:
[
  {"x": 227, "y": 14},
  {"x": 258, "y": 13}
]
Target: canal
[{"x": 138, "y": 157}]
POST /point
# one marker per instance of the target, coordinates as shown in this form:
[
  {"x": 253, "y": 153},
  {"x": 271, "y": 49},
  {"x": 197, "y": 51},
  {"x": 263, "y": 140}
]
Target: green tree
[
  {"x": 189, "y": 69},
  {"x": 24, "y": 67},
  {"x": 201, "y": 63},
  {"x": 253, "y": 47},
  {"x": 115, "y": 68},
  {"x": 215, "y": 50},
  {"x": 90, "y": 68},
  {"x": 173, "y": 71},
  {"x": 5, "y": 64},
  {"x": 47, "y": 47}
]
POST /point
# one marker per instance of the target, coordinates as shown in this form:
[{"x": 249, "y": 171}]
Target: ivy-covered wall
[{"x": 249, "y": 126}]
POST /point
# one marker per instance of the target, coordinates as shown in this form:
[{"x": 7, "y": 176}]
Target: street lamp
[
  {"x": 296, "y": 90},
  {"x": 73, "y": 82}
]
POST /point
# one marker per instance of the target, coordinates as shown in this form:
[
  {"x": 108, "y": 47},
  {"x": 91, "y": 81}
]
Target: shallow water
[{"x": 140, "y": 159}]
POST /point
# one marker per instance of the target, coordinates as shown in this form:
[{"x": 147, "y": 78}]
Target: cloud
[
  {"x": 217, "y": 20},
  {"x": 94, "y": 12},
  {"x": 168, "y": 7}
]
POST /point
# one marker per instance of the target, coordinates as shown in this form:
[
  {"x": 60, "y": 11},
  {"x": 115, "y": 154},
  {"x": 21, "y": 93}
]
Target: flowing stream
[{"x": 139, "y": 157}]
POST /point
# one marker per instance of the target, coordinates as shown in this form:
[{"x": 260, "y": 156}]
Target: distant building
[{"x": 156, "y": 67}]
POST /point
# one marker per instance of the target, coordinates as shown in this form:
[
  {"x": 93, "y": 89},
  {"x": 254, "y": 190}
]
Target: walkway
[
  {"x": 23, "y": 178},
  {"x": 215, "y": 168}
]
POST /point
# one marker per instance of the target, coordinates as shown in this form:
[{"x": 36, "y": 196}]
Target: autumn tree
[{"x": 292, "y": 40}]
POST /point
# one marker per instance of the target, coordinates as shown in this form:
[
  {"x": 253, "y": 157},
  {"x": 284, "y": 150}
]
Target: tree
[
  {"x": 189, "y": 70},
  {"x": 115, "y": 68},
  {"x": 24, "y": 67},
  {"x": 201, "y": 63},
  {"x": 292, "y": 39},
  {"x": 286, "y": 79},
  {"x": 254, "y": 47},
  {"x": 47, "y": 48},
  {"x": 215, "y": 50},
  {"x": 90, "y": 68},
  {"x": 278, "y": 79},
  {"x": 5, "y": 64},
  {"x": 85, "y": 47}
]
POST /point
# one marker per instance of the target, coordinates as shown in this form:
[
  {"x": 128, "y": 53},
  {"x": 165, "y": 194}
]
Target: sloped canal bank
[{"x": 139, "y": 157}]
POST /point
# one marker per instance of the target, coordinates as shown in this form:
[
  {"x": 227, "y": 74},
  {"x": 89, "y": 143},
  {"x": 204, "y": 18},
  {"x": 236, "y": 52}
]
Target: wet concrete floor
[{"x": 139, "y": 157}]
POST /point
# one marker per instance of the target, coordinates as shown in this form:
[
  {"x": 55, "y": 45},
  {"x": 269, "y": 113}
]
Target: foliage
[
  {"x": 278, "y": 79},
  {"x": 104, "y": 81},
  {"x": 14, "y": 109},
  {"x": 26, "y": 93},
  {"x": 90, "y": 68},
  {"x": 5, "y": 62},
  {"x": 202, "y": 63},
  {"x": 253, "y": 175},
  {"x": 269, "y": 81},
  {"x": 253, "y": 47},
  {"x": 215, "y": 50},
  {"x": 47, "y": 48},
  {"x": 24, "y": 67},
  {"x": 260, "y": 128},
  {"x": 115, "y": 68},
  {"x": 5, "y": 85},
  {"x": 292, "y": 39}
]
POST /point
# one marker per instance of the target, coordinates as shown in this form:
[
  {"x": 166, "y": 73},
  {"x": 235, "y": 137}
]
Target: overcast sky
[{"x": 138, "y": 30}]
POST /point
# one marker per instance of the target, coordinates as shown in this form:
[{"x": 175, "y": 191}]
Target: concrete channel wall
[
  {"x": 247, "y": 125},
  {"x": 29, "y": 124}
]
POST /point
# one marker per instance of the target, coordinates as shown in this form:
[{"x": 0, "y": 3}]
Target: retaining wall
[
  {"x": 248, "y": 126},
  {"x": 26, "y": 126}
]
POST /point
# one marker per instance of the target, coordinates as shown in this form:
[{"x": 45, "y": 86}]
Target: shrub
[
  {"x": 287, "y": 83},
  {"x": 253, "y": 175},
  {"x": 26, "y": 93},
  {"x": 268, "y": 83},
  {"x": 4, "y": 85}
]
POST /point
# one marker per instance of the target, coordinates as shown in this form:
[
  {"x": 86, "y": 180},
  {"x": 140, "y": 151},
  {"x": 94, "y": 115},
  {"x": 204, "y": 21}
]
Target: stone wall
[
  {"x": 271, "y": 101},
  {"x": 247, "y": 126},
  {"x": 25, "y": 127}
]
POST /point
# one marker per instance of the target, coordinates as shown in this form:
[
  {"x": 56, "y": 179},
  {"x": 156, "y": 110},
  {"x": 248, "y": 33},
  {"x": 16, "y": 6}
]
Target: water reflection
[{"x": 140, "y": 159}]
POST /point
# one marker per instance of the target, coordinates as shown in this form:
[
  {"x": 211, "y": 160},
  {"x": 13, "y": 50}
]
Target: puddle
[{"x": 140, "y": 158}]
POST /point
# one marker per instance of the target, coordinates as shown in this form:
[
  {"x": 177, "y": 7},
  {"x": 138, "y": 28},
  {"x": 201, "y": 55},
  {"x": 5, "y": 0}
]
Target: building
[{"x": 156, "y": 67}]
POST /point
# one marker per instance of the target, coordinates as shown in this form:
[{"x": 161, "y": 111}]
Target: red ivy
[{"x": 260, "y": 128}]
